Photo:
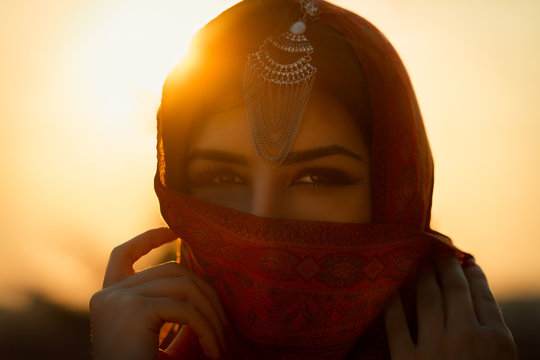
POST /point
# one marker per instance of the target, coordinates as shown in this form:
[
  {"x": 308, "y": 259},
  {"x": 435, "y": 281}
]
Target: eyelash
[
  {"x": 334, "y": 177},
  {"x": 206, "y": 176}
]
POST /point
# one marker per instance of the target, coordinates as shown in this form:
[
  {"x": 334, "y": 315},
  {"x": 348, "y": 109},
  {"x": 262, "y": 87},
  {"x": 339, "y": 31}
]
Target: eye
[
  {"x": 227, "y": 178},
  {"x": 325, "y": 177},
  {"x": 215, "y": 176}
]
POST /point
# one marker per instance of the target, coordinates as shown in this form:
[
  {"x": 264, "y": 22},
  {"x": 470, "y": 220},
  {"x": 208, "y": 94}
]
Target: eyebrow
[
  {"x": 312, "y": 154},
  {"x": 292, "y": 158}
]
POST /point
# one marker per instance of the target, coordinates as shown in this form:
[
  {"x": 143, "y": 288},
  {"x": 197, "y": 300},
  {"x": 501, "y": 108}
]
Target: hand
[
  {"x": 458, "y": 319},
  {"x": 127, "y": 314}
]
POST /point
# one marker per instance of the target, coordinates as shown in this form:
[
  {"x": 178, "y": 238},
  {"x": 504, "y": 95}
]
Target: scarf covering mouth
[{"x": 297, "y": 289}]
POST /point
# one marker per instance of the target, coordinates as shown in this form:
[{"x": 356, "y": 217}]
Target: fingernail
[{"x": 468, "y": 262}]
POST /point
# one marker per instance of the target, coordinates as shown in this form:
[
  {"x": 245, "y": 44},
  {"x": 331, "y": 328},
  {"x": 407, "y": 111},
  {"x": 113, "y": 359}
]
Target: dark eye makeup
[
  {"x": 214, "y": 175},
  {"x": 218, "y": 175},
  {"x": 324, "y": 176}
]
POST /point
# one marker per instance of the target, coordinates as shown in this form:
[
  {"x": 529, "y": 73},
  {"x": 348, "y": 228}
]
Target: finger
[
  {"x": 430, "y": 307},
  {"x": 485, "y": 306},
  {"x": 456, "y": 293},
  {"x": 184, "y": 289},
  {"x": 185, "y": 345},
  {"x": 170, "y": 310},
  {"x": 214, "y": 298},
  {"x": 397, "y": 330},
  {"x": 123, "y": 257},
  {"x": 172, "y": 269}
]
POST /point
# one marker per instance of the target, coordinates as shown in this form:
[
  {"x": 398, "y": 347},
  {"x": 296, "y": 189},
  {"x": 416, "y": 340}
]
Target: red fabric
[
  {"x": 314, "y": 290},
  {"x": 301, "y": 288}
]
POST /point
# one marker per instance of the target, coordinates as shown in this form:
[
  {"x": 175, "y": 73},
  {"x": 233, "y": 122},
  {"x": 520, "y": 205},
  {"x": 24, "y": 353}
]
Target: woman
[{"x": 293, "y": 163}]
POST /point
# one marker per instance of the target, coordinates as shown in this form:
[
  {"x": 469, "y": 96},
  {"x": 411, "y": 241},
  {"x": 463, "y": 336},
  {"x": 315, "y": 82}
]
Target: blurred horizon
[{"x": 81, "y": 84}]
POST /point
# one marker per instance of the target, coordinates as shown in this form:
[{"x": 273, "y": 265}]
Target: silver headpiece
[{"x": 276, "y": 94}]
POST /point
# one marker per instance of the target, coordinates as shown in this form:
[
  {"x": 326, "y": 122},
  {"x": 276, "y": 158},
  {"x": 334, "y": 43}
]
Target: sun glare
[
  {"x": 127, "y": 50},
  {"x": 87, "y": 153}
]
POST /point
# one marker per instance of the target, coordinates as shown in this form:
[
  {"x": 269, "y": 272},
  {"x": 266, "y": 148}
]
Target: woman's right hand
[
  {"x": 127, "y": 314},
  {"x": 458, "y": 317}
]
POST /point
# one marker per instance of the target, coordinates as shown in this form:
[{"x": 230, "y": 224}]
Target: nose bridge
[{"x": 266, "y": 199}]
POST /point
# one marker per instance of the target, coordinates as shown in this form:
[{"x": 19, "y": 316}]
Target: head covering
[{"x": 303, "y": 289}]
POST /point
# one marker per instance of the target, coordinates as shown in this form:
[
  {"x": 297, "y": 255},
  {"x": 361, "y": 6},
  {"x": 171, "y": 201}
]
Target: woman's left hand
[{"x": 458, "y": 319}]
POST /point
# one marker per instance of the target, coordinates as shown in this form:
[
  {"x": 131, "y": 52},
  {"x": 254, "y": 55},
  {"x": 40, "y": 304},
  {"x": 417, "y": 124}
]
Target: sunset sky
[{"x": 80, "y": 85}]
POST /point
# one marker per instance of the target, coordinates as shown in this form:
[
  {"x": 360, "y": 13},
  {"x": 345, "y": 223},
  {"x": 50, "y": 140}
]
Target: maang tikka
[{"x": 276, "y": 94}]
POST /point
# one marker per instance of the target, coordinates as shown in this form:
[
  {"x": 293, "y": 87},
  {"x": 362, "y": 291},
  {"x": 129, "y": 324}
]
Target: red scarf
[
  {"x": 304, "y": 289},
  {"x": 294, "y": 289}
]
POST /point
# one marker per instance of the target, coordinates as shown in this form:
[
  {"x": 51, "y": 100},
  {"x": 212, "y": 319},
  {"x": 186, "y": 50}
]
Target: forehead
[{"x": 326, "y": 122}]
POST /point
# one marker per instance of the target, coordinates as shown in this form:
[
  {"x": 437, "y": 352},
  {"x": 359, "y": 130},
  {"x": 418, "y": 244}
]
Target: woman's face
[{"x": 326, "y": 176}]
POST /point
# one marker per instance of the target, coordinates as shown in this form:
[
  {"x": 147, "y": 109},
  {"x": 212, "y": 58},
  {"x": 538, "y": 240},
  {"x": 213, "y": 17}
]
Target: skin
[
  {"x": 325, "y": 177},
  {"x": 458, "y": 317},
  {"x": 328, "y": 180}
]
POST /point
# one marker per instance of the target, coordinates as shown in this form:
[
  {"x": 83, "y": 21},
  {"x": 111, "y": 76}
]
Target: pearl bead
[{"x": 298, "y": 28}]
